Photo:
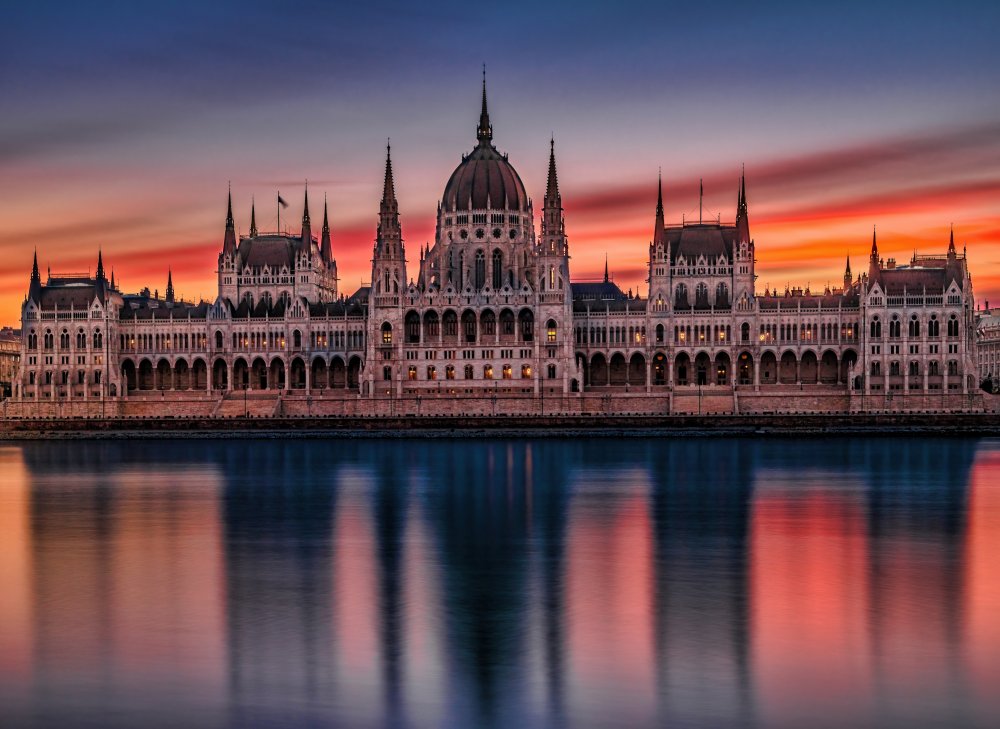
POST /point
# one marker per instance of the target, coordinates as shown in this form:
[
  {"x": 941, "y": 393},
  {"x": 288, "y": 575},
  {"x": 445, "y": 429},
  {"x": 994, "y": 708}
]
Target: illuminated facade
[{"x": 489, "y": 311}]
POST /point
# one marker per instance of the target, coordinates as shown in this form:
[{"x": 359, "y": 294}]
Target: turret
[
  {"x": 952, "y": 253},
  {"x": 553, "y": 222},
  {"x": 847, "y": 274},
  {"x": 170, "y": 287},
  {"x": 253, "y": 219}
]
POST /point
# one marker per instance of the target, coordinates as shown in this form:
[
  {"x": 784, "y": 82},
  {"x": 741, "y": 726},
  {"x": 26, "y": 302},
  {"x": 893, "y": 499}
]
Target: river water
[{"x": 515, "y": 583}]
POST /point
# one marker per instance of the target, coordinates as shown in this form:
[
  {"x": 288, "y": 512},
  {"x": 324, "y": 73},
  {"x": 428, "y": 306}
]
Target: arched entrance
[
  {"x": 298, "y": 374},
  {"x": 722, "y": 369},
  {"x": 354, "y": 373},
  {"x": 659, "y": 369},
  {"x": 682, "y": 369},
  {"x": 702, "y": 369},
  {"x": 768, "y": 368},
  {"x": 258, "y": 375},
  {"x": 220, "y": 374},
  {"x": 598, "y": 371},
  {"x": 163, "y": 375},
  {"x": 338, "y": 373},
  {"x": 129, "y": 375},
  {"x": 276, "y": 376},
  {"x": 849, "y": 360},
  {"x": 637, "y": 370},
  {"x": 828, "y": 368},
  {"x": 619, "y": 370},
  {"x": 809, "y": 368},
  {"x": 744, "y": 368},
  {"x": 787, "y": 369},
  {"x": 320, "y": 374},
  {"x": 199, "y": 375},
  {"x": 182, "y": 375}
]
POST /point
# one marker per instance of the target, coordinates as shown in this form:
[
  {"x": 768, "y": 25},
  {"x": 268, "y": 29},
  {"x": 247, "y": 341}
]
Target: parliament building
[{"x": 487, "y": 320}]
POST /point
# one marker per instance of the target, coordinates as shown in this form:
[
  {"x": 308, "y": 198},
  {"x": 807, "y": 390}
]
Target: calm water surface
[{"x": 592, "y": 583}]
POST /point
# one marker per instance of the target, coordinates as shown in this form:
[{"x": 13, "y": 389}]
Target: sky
[{"x": 123, "y": 123}]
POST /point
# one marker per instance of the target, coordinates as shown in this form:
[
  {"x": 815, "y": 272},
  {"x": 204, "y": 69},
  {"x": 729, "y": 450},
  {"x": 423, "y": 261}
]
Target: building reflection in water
[{"x": 518, "y": 584}]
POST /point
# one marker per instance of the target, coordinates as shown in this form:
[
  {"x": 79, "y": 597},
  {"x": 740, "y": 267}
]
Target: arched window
[
  {"x": 876, "y": 368},
  {"x": 745, "y": 332},
  {"x": 722, "y": 295},
  {"x": 550, "y": 330},
  {"x": 296, "y": 339},
  {"x": 895, "y": 328},
  {"x": 497, "y": 269},
  {"x": 681, "y": 297},
  {"x": 914, "y": 368},
  {"x": 659, "y": 333},
  {"x": 387, "y": 373},
  {"x": 701, "y": 295},
  {"x": 480, "y": 276},
  {"x": 914, "y": 328},
  {"x": 32, "y": 340},
  {"x": 468, "y": 372},
  {"x": 387, "y": 333},
  {"x": 953, "y": 326},
  {"x": 64, "y": 339},
  {"x": 876, "y": 328},
  {"x": 218, "y": 340},
  {"x": 81, "y": 340},
  {"x": 934, "y": 327},
  {"x": 98, "y": 339}
]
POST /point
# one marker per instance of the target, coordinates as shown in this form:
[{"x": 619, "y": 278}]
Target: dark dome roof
[{"x": 484, "y": 180}]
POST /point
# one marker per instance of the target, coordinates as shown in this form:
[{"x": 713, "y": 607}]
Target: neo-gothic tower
[
  {"x": 388, "y": 284},
  {"x": 659, "y": 257},
  {"x": 743, "y": 253}
]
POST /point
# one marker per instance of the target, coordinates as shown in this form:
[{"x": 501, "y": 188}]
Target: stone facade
[
  {"x": 487, "y": 320},
  {"x": 988, "y": 338}
]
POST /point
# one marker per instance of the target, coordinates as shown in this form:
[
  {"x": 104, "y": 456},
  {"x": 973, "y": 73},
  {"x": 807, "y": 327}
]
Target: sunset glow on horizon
[{"x": 125, "y": 126}]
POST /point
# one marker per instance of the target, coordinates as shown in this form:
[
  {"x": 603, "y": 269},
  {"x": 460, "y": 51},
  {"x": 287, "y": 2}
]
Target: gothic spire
[
  {"x": 229, "y": 241},
  {"x": 112, "y": 279},
  {"x": 389, "y": 187},
  {"x": 742, "y": 214},
  {"x": 170, "y": 287},
  {"x": 100, "y": 265},
  {"x": 552, "y": 187},
  {"x": 485, "y": 132},
  {"x": 326, "y": 248},
  {"x": 605, "y": 267},
  {"x": 847, "y": 273},
  {"x": 35, "y": 287},
  {"x": 305, "y": 209},
  {"x": 951, "y": 242},
  {"x": 659, "y": 227},
  {"x": 874, "y": 245},
  {"x": 253, "y": 219}
]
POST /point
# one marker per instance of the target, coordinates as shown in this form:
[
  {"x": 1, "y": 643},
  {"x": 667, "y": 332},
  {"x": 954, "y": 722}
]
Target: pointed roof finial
[
  {"x": 659, "y": 193},
  {"x": 951, "y": 239},
  {"x": 170, "y": 286},
  {"x": 874, "y": 243},
  {"x": 112, "y": 279},
  {"x": 552, "y": 187},
  {"x": 389, "y": 188},
  {"x": 326, "y": 217},
  {"x": 100, "y": 265},
  {"x": 605, "y": 266},
  {"x": 305, "y": 207},
  {"x": 253, "y": 219},
  {"x": 229, "y": 209},
  {"x": 485, "y": 132}
]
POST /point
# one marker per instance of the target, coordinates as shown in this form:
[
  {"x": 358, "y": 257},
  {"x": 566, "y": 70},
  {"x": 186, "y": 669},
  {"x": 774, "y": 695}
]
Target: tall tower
[
  {"x": 555, "y": 300},
  {"x": 384, "y": 371},
  {"x": 743, "y": 251},
  {"x": 326, "y": 253},
  {"x": 389, "y": 259},
  {"x": 227, "y": 257},
  {"x": 659, "y": 257},
  {"x": 847, "y": 275}
]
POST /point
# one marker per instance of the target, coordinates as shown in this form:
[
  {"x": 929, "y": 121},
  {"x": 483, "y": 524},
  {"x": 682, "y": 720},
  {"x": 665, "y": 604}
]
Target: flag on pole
[{"x": 281, "y": 201}]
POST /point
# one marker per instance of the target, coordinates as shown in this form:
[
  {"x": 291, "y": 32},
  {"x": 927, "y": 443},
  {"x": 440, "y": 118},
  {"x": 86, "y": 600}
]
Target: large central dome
[{"x": 485, "y": 180}]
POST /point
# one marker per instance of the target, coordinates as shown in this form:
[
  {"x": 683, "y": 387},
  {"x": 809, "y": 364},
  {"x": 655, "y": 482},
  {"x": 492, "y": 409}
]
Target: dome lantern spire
[{"x": 485, "y": 132}]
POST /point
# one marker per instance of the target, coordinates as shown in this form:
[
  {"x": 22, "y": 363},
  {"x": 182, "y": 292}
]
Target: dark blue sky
[{"x": 133, "y": 116}]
